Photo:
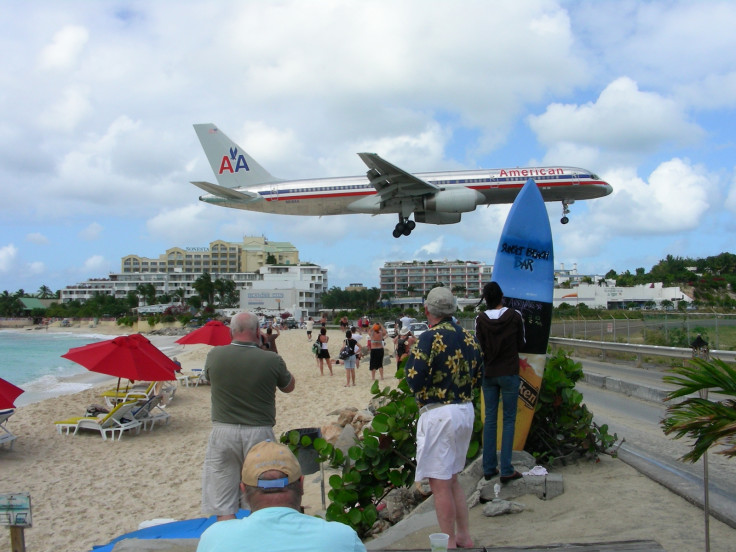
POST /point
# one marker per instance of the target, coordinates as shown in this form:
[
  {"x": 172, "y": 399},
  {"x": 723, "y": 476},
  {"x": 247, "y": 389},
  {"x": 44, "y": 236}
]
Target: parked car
[
  {"x": 417, "y": 328},
  {"x": 391, "y": 328},
  {"x": 291, "y": 323}
]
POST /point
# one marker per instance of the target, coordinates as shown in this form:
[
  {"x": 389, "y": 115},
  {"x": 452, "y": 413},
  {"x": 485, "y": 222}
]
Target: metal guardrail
[{"x": 639, "y": 350}]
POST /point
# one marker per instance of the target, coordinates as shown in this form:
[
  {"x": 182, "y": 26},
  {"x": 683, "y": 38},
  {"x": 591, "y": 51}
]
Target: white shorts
[{"x": 443, "y": 438}]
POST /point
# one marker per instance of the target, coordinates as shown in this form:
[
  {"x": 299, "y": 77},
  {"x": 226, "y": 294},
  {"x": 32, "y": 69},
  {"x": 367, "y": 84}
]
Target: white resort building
[{"x": 272, "y": 269}]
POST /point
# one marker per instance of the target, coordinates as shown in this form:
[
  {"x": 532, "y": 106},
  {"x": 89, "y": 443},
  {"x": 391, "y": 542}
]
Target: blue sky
[{"x": 98, "y": 99}]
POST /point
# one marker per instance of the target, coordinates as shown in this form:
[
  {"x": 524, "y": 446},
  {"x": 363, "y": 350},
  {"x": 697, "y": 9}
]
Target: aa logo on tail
[{"x": 226, "y": 165}]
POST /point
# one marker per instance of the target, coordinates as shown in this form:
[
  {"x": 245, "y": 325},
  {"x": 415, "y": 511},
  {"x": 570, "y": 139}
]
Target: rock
[
  {"x": 346, "y": 416},
  {"x": 499, "y": 507},
  {"x": 331, "y": 432},
  {"x": 379, "y": 527},
  {"x": 360, "y": 420},
  {"x": 346, "y": 439},
  {"x": 400, "y": 502}
]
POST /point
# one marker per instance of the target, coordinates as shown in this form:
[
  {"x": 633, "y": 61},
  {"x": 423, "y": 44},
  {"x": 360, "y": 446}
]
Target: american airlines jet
[{"x": 433, "y": 198}]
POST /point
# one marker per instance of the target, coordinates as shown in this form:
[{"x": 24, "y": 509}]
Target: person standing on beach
[
  {"x": 500, "y": 331},
  {"x": 274, "y": 485},
  {"x": 376, "y": 335},
  {"x": 310, "y": 327},
  {"x": 270, "y": 338},
  {"x": 403, "y": 344},
  {"x": 358, "y": 337},
  {"x": 349, "y": 362},
  {"x": 324, "y": 353},
  {"x": 442, "y": 369},
  {"x": 243, "y": 379}
]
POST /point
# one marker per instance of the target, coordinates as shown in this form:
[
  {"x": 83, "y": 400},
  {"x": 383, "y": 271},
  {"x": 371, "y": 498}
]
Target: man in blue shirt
[
  {"x": 442, "y": 369},
  {"x": 273, "y": 484}
]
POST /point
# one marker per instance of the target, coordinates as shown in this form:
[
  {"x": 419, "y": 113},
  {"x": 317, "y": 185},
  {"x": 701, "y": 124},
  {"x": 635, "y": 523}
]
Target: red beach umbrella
[
  {"x": 129, "y": 356},
  {"x": 213, "y": 332},
  {"x": 8, "y": 394}
]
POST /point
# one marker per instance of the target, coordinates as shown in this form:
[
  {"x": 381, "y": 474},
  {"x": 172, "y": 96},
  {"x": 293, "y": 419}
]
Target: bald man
[{"x": 243, "y": 379}]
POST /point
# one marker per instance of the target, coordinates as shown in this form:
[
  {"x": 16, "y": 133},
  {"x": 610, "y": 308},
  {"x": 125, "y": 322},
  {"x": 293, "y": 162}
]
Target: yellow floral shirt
[{"x": 444, "y": 365}]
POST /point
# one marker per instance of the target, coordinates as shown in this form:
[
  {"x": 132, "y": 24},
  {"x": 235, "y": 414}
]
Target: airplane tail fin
[{"x": 232, "y": 166}]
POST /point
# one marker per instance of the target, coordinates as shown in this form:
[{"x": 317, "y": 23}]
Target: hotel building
[{"x": 271, "y": 268}]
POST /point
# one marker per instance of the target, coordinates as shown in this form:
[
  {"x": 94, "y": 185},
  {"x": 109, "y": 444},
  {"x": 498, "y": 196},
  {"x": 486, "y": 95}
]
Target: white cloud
[
  {"x": 36, "y": 267},
  {"x": 623, "y": 120},
  {"x": 37, "y": 238},
  {"x": 674, "y": 199},
  {"x": 67, "y": 110},
  {"x": 8, "y": 256},
  {"x": 731, "y": 197},
  {"x": 185, "y": 225},
  {"x": 428, "y": 250},
  {"x": 64, "y": 49},
  {"x": 96, "y": 266},
  {"x": 91, "y": 232}
]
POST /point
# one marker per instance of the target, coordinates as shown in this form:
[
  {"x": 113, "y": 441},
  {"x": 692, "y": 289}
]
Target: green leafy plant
[
  {"x": 563, "y": 427},
  {"x": 381, "y": 461},
  {"x": 384, "y": 458},
  {"x": 707, "y": 422}
]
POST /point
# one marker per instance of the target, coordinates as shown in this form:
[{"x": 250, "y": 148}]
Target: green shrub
[{"x": 563, "y": 427}]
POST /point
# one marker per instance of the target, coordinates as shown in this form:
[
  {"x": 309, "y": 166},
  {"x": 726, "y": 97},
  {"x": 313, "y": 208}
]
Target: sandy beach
[{"x": 86, "y": 491}]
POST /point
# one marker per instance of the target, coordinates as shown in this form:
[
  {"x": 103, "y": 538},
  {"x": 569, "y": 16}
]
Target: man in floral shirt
[{"x": 442, "y": 369}]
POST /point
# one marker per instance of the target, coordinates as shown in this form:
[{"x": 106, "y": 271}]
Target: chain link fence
[{"x": 669, "y": 329}]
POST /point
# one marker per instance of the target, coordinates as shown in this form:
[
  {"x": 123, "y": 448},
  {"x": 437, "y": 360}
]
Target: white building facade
[
  {"x": 290, "y": 283},
  {"x": 613, "y": 297}
]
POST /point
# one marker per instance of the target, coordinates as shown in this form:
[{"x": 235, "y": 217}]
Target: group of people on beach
[{"x": 442, "y": 366}]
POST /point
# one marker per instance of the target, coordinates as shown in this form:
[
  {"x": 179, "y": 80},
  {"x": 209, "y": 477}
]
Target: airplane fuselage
[{"x": 338, "y": 195}]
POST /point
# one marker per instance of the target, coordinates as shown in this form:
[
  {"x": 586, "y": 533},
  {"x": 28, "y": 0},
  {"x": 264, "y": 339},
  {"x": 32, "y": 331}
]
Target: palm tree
[
  {"x": 44, "y": 292},
  {"x": 706, "y": 422},
  {"x": 205, "y": 288}
]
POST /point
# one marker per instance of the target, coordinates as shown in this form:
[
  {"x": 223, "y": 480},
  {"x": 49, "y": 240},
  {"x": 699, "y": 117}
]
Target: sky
[{"x": 98, "y": 100}]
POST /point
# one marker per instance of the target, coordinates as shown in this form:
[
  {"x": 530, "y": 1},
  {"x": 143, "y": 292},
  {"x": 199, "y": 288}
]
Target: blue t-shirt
[{"x": 280, "y": 529}]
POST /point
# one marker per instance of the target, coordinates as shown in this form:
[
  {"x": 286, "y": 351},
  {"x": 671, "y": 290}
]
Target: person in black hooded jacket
[{"x": 500, "y": 332}]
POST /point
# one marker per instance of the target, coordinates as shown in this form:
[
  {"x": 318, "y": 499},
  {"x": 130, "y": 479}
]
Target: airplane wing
[
  {"x": 393, "y": 183},
  {"x": 228, "y": 193}
]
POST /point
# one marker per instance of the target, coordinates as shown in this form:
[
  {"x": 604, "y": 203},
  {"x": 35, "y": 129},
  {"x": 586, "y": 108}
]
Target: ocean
[{"x": 31, "y": 359}]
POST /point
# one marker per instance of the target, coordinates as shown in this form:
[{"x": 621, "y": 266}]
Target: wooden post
[{"x": 17, "y": 539}]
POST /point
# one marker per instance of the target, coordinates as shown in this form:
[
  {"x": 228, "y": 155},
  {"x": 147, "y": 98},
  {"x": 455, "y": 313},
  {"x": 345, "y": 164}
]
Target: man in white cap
[
  {"x": 442, "y": 369},
  {"x": 273, "y": 484}
]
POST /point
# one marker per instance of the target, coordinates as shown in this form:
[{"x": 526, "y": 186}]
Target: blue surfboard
[{"x": 524, "y": 268}]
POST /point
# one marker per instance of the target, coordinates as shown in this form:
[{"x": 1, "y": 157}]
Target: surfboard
[{"x": 524, "y": 268}]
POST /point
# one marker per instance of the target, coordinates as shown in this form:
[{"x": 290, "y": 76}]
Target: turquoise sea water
[{"x": 31, "y": 359}]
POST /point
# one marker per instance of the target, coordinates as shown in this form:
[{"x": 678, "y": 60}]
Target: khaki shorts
[
  {"x": 443, "y": 437},
  {"x": 223, "y": 463}
]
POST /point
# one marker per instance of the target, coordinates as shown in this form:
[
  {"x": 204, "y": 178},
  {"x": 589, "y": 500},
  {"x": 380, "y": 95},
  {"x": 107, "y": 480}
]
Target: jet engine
[{"x": 454, "y": 201}]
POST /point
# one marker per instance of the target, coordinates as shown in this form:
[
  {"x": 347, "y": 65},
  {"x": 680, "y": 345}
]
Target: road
[{"x": 646, "y": 446}]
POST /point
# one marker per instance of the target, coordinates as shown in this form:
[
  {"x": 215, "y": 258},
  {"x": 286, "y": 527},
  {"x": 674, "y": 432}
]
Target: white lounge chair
[
  {"x": 151, "y": 412},
  {"x": 5, "y": 435},
  {"x": 119, "y": 419},
  {"x": 137, "y": 392}
]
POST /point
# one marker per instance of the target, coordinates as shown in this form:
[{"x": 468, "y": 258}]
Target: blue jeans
[{"x": 507, "y": 388}]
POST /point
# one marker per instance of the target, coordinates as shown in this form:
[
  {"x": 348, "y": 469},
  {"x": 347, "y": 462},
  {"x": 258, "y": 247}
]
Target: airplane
[{"x": 433, "y": 197}]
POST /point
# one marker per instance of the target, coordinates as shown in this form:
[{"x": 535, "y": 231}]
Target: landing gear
[
  {"x": 565, "y": 211},
  {"x": 403, "y": 227}
]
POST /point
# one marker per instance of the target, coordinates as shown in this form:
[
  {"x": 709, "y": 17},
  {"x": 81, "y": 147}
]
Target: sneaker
[{"x": 507, "y": 478}]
